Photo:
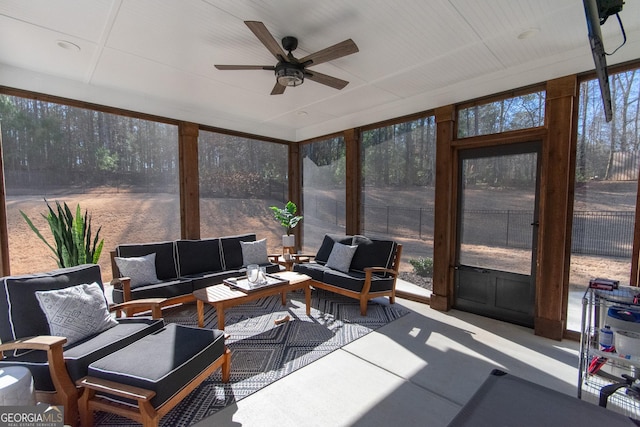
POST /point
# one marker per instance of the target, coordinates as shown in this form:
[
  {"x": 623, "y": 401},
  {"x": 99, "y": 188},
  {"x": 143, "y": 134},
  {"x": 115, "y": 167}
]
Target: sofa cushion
[
  {"x": 327, "y": 245},
  {"x": 78, "y": 356},
  {"x": 77, "y": 312},
  {"x": 311, "y": 269},
  {"x": 179, "y": 354},
  {"x": 341, "y": 256},
  {"x": 231, "y": 250},
  {"x": 140, "y": 269},
  {"x": 20, "y": 313},
  {"x": 166, "y": 266},
  {"x": 199, "y": 281},
  {"x": 198, "y": 256},
  {"x": 254, "y": 252},
  {"x": 354, "y": 281},
  {"x": 166, "y": 289},
  {"x": 372, "y": 253}
]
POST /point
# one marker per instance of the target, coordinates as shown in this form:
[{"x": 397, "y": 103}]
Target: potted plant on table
[{"x": 289, "y": 220}]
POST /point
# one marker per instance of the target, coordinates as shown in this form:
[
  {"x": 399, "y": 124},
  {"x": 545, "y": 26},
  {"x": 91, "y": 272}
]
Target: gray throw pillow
[
  {"x": 77, "y": 312},
  {"x": 140, "y": 269},
  {"x": 254, "y": 252},
  {"x": 341, "y": 256}
]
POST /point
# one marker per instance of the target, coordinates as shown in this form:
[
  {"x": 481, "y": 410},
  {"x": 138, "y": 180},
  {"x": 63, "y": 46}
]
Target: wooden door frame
[{"x": 555, "y": 204}]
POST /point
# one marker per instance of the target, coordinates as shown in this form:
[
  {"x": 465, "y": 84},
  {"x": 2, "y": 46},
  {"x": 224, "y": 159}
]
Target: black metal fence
[{"x": 594, "y": 233}]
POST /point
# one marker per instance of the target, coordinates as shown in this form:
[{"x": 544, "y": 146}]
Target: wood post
[
  {"x": 5, "y": 269},
  {"x": 295, "y": 188},
  {"x": 552, "y": 276},
  {"x": 189, "y": 181},
  {"x": 444, "y": 215},
  {"x": 353, "y": 181}
]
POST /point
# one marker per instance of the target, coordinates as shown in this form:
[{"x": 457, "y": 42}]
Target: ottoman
[{"x": 146, "y": 379}]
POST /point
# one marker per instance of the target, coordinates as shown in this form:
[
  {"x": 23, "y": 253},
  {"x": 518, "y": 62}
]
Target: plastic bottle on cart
[{"x": 606, "y": 337}]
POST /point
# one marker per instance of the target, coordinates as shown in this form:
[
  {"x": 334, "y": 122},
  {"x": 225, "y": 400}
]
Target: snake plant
[{"x": 72, "y": 235}]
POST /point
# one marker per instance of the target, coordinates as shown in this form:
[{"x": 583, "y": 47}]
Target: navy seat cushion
[
  {"x": 200, "y": 281},
  {"x": 269, "y": 266},
  {"x": 311, "y": 269},
  {"x": 166, "y": 267},
  {"x": 198, "y": 256},
  {"x": 179, "y": 353},
  {"x": 327, "y": 245},
  {"x": 20, "y": 313},
  {"x": 372, "y": 253},
  {"x": 354, "y": 281},
  {"x": 232, "y": 250},
  {"x": 166, "y": 289},
  {"x": 80, "y": 355}
]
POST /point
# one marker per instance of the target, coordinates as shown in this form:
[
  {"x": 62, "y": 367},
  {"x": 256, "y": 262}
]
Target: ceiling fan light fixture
[{"x": 289, "y": 75}]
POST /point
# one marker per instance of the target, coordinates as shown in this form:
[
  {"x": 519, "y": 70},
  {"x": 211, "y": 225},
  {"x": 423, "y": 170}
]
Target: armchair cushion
[
  {"x": 80, "y": 355},
  {"x": 354, "y": 281},
  {"x": 311, "y": 269},
  {"x": 372, "y": 253},
  {"x": 341, "y": 256},
  {"x": 18, "y": 318},
  {"x": 76, "y": 312},
  {"x": 140, "y": 269},
  {"x": 322, "y": 256},
  {"x": 254, "y": 252}
]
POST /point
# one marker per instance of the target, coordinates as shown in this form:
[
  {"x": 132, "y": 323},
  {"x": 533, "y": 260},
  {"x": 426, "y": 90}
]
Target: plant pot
[{"x": 288, "y": 241}]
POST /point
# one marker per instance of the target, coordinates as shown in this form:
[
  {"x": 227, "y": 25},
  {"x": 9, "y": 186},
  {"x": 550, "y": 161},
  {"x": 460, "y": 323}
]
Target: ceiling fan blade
[
  {"x": 245, "y": 67},
  {"x": 263, "y": 34},
  {"x": 278, "y": 89},
  {"x": 336, "y": 51},
  {"x": 324, "y": 79}
]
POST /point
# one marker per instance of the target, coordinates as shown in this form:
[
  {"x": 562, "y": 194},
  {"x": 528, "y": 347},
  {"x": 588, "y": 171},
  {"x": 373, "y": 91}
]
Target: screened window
[
  {"x": 519, "y": 112},
  {"x": 398, "y": 170},
  {"x": 122, "y": 170},
  {"x": 606, "y": 186},
  {"x": 239, "y": 179},
  {"x": 323, "y": 190}
]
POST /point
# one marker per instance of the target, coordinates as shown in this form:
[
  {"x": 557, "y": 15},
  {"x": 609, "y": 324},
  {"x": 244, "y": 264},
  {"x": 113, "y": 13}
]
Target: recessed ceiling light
[
  {"x": 68, "y": 45},
  {"x": 527, "y": 34}
]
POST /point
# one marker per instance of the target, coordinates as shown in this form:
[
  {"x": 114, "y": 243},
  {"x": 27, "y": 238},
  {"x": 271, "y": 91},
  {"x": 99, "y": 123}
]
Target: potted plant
[
  {"x": 289, "y": 220},
  {"x": 74, "y": 244}
]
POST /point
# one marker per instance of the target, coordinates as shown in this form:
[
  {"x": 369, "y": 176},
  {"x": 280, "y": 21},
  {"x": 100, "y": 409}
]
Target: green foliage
[
  {"x": 422, "y": 266},
  {"x": 287, "y": 216},
  {"x": 72, "y": 235},
  {"x": 106, "y": 160}
]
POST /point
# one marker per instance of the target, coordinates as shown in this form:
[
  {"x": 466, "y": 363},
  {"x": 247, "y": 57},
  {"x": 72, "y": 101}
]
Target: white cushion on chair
[
  {"x": 76, "y": 312},
  {"x": 254, "y": 252},
  {"x": 341, "y": 256},
  {"x": 140, "y": 269}
]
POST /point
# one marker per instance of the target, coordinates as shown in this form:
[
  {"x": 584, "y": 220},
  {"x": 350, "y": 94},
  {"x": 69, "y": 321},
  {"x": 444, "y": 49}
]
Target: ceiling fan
[{"x": 289, "y": 70}]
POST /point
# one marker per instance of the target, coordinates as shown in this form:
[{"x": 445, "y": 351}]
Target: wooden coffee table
[{"x": 222, "y": 296}]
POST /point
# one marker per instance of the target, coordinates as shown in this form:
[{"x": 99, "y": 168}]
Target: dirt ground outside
[{"x": 128, "y": 217}]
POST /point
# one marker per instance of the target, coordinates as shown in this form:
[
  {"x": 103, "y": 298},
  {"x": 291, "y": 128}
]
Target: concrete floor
[{"x": 418, "y": 370}]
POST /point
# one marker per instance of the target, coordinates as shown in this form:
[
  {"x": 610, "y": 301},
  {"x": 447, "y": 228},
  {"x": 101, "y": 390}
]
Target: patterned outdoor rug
[{"x": 263, "y": 352}]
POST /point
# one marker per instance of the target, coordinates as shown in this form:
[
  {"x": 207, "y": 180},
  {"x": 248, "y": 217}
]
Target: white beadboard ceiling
[{"x": 157, "y": 56}]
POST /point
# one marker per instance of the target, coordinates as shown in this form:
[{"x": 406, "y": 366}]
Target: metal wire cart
[{"x": 609, "y": 370}]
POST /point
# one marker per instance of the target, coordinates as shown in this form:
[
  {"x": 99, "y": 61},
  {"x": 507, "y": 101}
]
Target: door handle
[{"x": 536, "y": 223}]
